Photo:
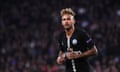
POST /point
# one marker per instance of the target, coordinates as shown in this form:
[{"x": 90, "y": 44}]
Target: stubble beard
[{"x": 67, "y": 29}]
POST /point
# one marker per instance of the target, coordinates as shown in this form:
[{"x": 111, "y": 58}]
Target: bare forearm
[{"x": 90, "y": 52}]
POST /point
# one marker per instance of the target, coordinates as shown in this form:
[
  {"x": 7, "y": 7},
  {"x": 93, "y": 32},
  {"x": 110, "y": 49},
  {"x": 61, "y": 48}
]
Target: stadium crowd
[{"x": 29, "y": 30}]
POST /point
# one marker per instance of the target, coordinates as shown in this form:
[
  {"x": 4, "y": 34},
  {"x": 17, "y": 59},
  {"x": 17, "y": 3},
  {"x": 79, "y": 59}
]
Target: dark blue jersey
[{"x": 79, "y": 41}]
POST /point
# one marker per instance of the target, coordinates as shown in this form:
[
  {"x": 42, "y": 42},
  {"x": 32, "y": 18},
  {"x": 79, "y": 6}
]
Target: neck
[{"x": 69, "y": 32}]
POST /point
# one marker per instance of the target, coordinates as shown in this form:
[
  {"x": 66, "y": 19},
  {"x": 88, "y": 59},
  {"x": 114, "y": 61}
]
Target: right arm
[{"x": 61, "y": 57}]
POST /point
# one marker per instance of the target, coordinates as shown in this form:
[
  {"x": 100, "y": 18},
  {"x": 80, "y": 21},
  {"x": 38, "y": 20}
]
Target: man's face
[{"x": 68, "y": 21}]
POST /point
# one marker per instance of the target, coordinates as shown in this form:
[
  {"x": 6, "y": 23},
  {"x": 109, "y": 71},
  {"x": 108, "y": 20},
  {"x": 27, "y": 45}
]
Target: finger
[
  {"x": 71, "y": 49},
  {"x": 61, "y": 58},
  {"x": 68, "y": 55}
]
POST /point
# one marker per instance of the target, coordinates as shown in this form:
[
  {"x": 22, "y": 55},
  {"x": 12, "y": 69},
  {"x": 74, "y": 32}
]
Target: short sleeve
[
  {"x": 89, "y": 43},
  {"x": 60, "y": 46}
]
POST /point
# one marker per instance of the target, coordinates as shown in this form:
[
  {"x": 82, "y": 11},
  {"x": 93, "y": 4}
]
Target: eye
[
  {"x": 63, "y": 19},
  {"x": 68, "y": 18}
]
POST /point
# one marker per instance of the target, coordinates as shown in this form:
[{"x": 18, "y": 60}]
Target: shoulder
[
  {"x": 82, "y": 34},
  {"x": 61, "y": 35},
  {"x": 80, "y": 31}
]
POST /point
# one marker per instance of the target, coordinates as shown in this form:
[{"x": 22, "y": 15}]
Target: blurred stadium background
[{"x": 29, "y": 29}]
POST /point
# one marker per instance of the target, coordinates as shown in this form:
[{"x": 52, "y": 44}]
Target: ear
[{"x": 74, "y": 21}]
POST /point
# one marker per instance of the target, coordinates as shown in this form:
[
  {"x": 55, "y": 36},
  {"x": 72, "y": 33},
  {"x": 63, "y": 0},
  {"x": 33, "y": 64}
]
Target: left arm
[
  {"x": 90, "y": 52},
  {"x": 89, "y": 45}
]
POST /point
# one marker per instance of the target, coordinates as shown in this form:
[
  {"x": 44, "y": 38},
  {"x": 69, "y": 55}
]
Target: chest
[{"x": 76, "y": 42}]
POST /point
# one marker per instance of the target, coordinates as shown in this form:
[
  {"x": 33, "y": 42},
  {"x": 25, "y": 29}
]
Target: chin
[{"x": 67, "y": 28}]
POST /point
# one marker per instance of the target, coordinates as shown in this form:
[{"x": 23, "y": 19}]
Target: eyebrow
[{"x": 66, "y": 18}]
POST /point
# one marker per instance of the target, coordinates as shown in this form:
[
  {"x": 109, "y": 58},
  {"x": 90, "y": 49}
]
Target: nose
[{"x": 66, "y": 22}]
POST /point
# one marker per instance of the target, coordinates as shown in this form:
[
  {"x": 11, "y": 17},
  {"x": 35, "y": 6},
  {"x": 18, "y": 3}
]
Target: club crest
[{"x": 74, "y": 41}]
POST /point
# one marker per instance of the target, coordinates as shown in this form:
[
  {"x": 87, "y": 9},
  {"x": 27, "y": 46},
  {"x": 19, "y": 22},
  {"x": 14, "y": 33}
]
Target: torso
[{"x": 77, "y": 43}]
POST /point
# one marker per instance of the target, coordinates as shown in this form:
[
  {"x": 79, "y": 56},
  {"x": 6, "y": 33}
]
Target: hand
[
  {"x": 60, "y": 59},
  {"x": 72, "y": 54}
]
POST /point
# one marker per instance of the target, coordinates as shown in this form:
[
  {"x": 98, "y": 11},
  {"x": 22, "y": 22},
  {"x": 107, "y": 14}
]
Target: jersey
[{"x": 79, "y": 41}]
